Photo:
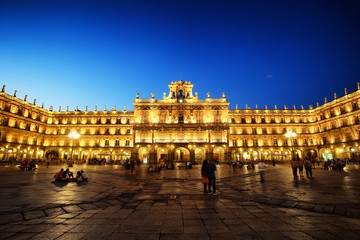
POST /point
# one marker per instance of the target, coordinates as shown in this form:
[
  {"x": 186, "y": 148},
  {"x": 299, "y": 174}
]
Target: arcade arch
[
  {"x": 200, "y": 153},
  {"x": 162, "y": 155},
  {"x": 218, "y": 153},
  {"x": 144, "y": 154},
  {"x": 310, "y": 153},
  {"x": 181, "y": 154}
]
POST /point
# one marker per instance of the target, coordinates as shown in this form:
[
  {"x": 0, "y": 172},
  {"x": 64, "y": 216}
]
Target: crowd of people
[
  {"x": 68, "y": 176},
  {"x": 208, "y": 168}
]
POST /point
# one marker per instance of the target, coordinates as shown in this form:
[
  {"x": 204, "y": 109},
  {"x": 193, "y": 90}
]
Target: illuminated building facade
[{"x": 180, "y": 127}]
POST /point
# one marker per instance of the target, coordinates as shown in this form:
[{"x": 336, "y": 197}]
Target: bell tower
[{"x": 180, "y": 90}]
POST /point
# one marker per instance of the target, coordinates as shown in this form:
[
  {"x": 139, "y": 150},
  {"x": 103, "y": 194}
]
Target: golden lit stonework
[{"x": 179, "y": 127}]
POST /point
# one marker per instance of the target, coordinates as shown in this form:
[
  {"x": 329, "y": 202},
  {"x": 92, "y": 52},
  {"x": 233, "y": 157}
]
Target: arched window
[
  {"x": 181, "y": 94},
  {"x": 181, "y": 118}
]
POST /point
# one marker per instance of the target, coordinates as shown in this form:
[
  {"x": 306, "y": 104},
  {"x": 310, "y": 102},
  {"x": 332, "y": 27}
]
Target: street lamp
[
  {"x": 74, "y": 135},
  {"x": 291, "y": 135}
]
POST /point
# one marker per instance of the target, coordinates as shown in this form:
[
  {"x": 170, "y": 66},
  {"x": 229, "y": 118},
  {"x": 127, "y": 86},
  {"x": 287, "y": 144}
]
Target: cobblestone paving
[{"x": 171, "y": 205}]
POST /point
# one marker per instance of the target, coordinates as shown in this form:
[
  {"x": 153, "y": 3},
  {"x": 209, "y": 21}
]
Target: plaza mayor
[{"x": 180, "y": 127}]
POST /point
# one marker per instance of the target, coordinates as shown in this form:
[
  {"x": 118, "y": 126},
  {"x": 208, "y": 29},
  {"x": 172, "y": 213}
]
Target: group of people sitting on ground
[
  {"x": 161, "y": 166},
  {"x": 334, "y": 164},
  {"x": 67, "y": 176},
  {"x": 28, "y": 166}
]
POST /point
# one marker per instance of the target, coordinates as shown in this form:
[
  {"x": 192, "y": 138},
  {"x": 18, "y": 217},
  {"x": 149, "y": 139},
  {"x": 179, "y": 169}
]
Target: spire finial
[{"x": 180, "y": 71}]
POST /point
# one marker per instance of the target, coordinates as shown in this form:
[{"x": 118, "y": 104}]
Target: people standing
[
  {"x": 262, "y": 166},
  {"x": 132, "y": 166},
  {"x": 308, "y": 168},
  {"x": 301, "y": 167},
  {"x": 138, "y": 163},
  {"x": 211, "y": 175},
  {"x": 294, "y": 168},
  {"x": 233, "y": 165},
  {"x": 204, "y": 175}
]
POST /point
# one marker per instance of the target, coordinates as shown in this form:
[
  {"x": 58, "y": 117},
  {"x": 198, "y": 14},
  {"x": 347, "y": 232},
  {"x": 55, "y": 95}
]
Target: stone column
[
  {"x": 209, "y": 156},
  {"x": 192, "y": 155}
]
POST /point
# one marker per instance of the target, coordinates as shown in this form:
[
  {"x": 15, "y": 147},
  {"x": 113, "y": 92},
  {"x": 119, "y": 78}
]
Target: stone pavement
[{"x": 171, "y": 205}]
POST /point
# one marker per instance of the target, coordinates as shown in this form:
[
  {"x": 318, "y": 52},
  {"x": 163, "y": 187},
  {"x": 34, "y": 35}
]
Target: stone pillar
[
  {"x": 134, "y": 155},
  {"x": 152, "y": 157},
  {"x": 192, "y": 155},
  {"x": 209, "y": 155}
]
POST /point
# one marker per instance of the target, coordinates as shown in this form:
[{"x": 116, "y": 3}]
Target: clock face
[{"x": 180, "y": 101}]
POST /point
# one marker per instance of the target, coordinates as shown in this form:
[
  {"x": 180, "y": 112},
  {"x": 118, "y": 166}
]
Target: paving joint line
[{"x": 296, "y": 205}]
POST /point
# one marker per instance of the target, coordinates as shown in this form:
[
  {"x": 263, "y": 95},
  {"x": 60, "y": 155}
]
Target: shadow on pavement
[
  {"x": 64, "y": 183},
  {"x": 60, "y": 183}
]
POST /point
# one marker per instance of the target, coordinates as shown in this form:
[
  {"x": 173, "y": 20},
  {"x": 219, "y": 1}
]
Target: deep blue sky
[{"x": 104, "y": 52}]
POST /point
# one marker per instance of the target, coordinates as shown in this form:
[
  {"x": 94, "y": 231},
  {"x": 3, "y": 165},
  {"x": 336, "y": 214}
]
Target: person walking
[
  {"x": 204, "y": 175},
  {"x": 301, "y": 167},
  {"x": 262, "y": 166},
  {"x": 233, "y": 165},
  {"x": 308, "y": 168},
  {"x": 132, "y": 166},
  {"x": 211, "y": 175},
  {"x": 294, "y": 168}
]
